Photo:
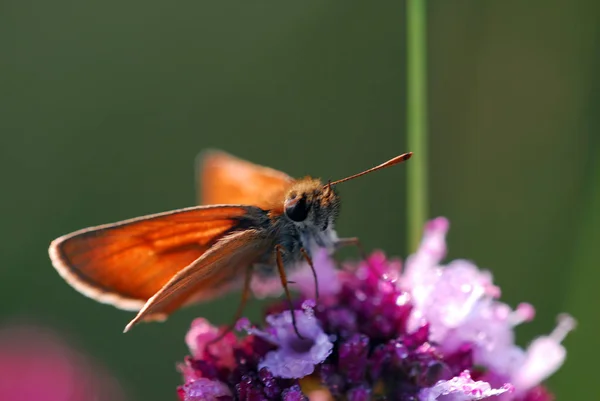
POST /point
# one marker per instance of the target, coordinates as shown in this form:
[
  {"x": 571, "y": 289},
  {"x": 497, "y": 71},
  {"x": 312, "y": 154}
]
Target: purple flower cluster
[
  {"x": 381, "y": 331},
  {"x": 232, "y": 369}
]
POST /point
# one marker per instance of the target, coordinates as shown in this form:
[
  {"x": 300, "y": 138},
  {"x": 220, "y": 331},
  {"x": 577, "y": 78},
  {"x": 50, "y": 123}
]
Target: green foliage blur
[{"x": 104, "y": 105}]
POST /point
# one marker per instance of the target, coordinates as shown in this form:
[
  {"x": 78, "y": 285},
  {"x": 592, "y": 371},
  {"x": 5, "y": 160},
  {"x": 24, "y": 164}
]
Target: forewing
[
  {"x": 221, "y": 265},
  {"x": 225, "y": 179},
  {"x": 126, "y": 263}
]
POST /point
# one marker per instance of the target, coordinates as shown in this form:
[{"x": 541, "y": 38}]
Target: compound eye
[{"x": 297, "y": 209}]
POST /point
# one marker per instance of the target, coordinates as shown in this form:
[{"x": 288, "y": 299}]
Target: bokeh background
[{"x": 104, "y": 105}]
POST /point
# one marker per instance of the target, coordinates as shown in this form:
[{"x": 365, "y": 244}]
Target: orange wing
[
  {"x": 126, "y": 263},
  {"x": 225, "y": 179},
  {"x": 218, "y": 265}
]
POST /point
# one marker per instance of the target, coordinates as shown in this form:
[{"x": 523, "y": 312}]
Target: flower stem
[{"x": 417, "y": 202}]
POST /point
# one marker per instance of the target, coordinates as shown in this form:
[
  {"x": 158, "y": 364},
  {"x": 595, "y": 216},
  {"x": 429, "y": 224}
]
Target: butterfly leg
[
  {"x": 342, "y": 242},
  {"x": 284, "y": 283},
  {"x": 355, "y": 242},
  {"x": 241, "y": 306},
  {"x": 314, "y": 272}
]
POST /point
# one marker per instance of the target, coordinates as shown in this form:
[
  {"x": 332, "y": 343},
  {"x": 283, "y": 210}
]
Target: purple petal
[
  {"x": 433, "y": 246},
  {"x": 206, "y": 390},
  {"x": 422, "y": 271},
  {"x": 327, "y": 276},
  {"x": 489, "y": 330},
  {"x": 461, "y": 388},
  {"x": 449, "y": 300},
  {"x": 543, "y": 357},
  {"x": 295, "y": 358}
]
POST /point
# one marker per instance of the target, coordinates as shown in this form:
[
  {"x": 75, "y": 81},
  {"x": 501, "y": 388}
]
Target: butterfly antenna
[{"x": 396, "y": 160}]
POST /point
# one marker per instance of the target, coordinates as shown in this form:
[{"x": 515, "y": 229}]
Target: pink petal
[{"x": 199, "y": 336}]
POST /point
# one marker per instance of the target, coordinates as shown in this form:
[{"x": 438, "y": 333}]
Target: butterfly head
[{"x": 310, "y": 203}]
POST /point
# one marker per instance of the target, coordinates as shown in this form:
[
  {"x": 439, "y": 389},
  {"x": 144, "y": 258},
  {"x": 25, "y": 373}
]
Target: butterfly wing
[
  {"x": 126, "y": 263},
  {"x": 222, "y": 262},
  {"x": 225, "y": 179}
]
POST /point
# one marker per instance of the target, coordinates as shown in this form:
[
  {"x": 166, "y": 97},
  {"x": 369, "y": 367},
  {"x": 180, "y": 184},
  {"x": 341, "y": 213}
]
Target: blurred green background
[{"x": 104, "y": 105}]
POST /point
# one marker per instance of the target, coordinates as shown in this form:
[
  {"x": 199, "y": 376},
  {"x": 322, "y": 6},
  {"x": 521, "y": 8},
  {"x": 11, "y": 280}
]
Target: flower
[
  {"x": 265, "y": 365},
  {"x": 459, "y": 302},
  {"x": 543, "y": 356},
  {"x": 327, "y": 278},
  {"x": 201, "y": 334},
  {"x": 430, "y": 332},
  {"x": 36, "y": 364},
  {"x": 461, "y": 388},
  {"x": 203, "y": 389},
  {"x": 294, "y": 357}
]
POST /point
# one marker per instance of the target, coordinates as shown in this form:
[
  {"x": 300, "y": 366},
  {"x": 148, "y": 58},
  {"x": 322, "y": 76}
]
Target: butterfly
[{"x": 254, "y": 220}]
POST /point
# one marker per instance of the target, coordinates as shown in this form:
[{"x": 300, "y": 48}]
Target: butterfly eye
[{"x": 297, "y": 209}]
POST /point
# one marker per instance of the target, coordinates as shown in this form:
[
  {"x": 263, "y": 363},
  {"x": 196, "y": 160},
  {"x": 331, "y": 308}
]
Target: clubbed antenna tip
[{"x": 396, "y": 160}]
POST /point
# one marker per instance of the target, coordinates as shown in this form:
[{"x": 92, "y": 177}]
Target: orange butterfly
[{"x": 255, "y": 219}]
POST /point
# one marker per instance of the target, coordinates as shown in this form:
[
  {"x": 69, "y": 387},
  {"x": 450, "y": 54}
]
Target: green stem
[{"x": 417, "y": 202}]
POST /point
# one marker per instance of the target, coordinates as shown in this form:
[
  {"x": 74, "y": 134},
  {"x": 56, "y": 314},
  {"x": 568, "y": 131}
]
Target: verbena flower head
[{"x": 422, "y": 332}]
